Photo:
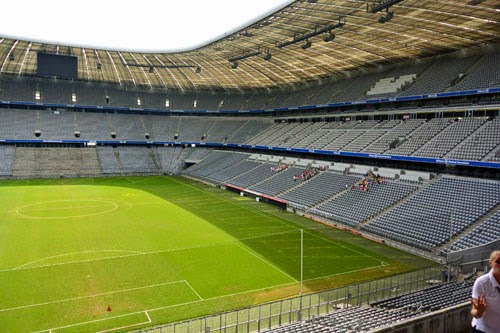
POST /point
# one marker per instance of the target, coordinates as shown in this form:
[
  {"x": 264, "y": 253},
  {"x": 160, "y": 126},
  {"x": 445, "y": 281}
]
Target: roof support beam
[
  {"x": 383, "y": 4},
  {"x": 316, "y": 32}
]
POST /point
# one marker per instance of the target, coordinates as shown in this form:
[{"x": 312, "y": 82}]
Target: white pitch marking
[
  {"x": 19, "y": 210},
  {"x": 90, "y": 296},
  {"x": 159, "y": 308},
  {"x": 98, "y": 320},
  {"x": 194, "y": 290},
  {"x": 70, "y": 254},
  {"x": 137, "y": 253},
  {"x": 266, "y": 262},
  {"x": 147, "y": 315},
  {"x": 128, "y": 326},
  {"x": 193, "y": 302}
]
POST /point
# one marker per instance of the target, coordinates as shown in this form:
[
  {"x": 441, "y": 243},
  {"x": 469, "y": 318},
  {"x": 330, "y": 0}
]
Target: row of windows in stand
[{"x": 38, "y": 96}]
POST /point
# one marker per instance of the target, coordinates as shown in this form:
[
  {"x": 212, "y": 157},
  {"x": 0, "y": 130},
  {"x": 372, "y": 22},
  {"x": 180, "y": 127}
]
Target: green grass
[{"x": 160, "y": 249}]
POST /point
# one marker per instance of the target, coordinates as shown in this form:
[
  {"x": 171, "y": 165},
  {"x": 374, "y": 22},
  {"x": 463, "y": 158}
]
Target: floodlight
[
  {"x": 329, "y": 37},
  {"x": 386, "y": 17},
  {"x": 306, "y": 45},
  {"x": 317, "y": 31}
]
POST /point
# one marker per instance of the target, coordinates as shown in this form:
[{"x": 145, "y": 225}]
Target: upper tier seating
[{"x": 458, "y": 71}]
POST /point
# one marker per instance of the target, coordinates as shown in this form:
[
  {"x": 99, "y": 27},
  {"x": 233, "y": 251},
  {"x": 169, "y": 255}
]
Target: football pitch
[{"x": 118, "y": 254}]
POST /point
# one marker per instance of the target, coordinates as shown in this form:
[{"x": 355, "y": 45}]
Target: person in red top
[{"x": 486, "y": 298}]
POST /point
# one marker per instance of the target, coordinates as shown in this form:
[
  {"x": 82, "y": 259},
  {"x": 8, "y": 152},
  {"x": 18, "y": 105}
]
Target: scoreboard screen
[{"x": 55, "y": 65}]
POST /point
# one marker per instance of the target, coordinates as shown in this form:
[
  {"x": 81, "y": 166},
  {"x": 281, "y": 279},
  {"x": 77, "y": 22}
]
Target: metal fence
[
  {"x": 290, "y": 310},
  {"x": 474, "y": 258}
]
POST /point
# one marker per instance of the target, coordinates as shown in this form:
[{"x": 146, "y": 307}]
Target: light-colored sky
[{"x": 141, "y": 25}]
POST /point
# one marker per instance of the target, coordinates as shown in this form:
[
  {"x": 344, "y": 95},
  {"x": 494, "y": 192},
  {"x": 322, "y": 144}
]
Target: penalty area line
[
  {"x": 129, "y": 326},
  {"x": 156, "y": 309},
  {"x": 104, "y": 319},
  {"x": 95, "y": 295},
  {"x": 194, "y": 290},
  {"x": 147, "y": 315}
]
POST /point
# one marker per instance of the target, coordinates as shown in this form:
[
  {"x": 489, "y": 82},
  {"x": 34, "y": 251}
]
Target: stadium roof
[
  {"x": 306, "y": 41},
  {"x": 158, "y": 26}
]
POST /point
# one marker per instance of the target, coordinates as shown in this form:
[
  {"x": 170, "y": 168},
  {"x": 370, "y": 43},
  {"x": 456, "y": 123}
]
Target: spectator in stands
[
  {"x": 279, "y": 168},
  {"x": 486, "y": 298}
]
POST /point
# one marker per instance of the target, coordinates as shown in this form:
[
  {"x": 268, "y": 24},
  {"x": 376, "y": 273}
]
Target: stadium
[{"x": 333, "y": 166}]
